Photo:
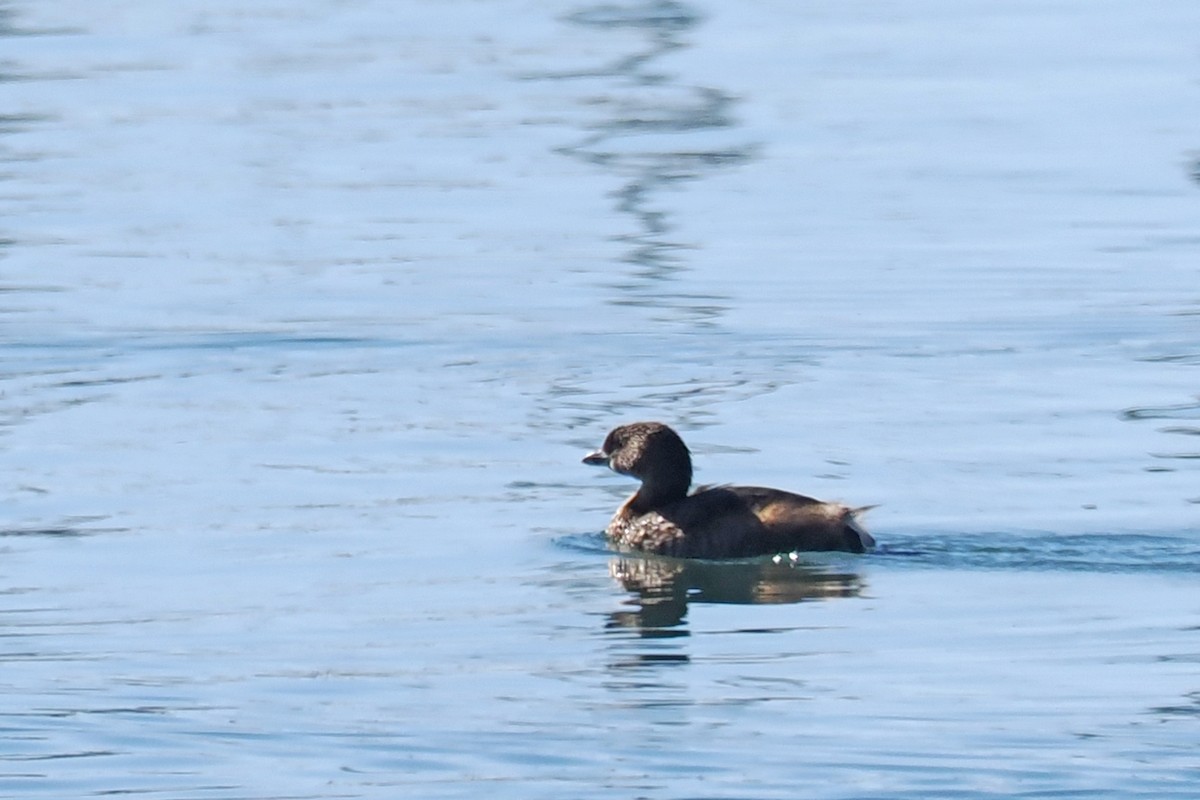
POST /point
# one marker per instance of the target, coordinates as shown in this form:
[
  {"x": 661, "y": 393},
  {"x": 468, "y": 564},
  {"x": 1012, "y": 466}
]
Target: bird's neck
[{"x": 658, "y": 491}]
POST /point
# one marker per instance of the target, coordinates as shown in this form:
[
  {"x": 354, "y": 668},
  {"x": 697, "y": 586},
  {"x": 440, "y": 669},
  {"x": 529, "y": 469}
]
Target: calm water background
[{"x": 309, "y": 310}]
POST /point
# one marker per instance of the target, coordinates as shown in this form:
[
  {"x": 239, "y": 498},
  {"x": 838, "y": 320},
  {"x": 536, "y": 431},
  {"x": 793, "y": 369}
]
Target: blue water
[{"x": 309, "y": 310}]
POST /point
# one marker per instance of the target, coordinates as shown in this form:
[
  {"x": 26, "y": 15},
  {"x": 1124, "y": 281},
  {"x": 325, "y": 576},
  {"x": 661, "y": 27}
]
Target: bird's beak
[{"x": 596, "y": 459}]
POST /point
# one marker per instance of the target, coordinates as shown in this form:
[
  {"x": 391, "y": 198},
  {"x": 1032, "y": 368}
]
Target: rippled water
[{"x": 309, "y": 310}]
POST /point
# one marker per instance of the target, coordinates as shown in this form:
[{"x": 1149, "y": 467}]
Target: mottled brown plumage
[{"x": 713, "y": 522}]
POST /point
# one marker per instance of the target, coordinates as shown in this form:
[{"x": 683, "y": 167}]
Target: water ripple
[
  {"x": 1113, "y": 552},
  {"x": 1096, "y": 553}
]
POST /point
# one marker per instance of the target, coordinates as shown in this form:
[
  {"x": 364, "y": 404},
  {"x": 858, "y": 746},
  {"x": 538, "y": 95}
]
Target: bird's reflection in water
[{"x": 664, "y": 588}]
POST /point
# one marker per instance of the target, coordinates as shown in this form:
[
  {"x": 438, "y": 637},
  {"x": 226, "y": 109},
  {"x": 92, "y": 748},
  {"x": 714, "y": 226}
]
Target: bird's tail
[{"x": 854, "y": 527}]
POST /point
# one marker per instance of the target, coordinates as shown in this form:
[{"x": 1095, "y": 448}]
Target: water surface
[{"x": 309, "y": 310}]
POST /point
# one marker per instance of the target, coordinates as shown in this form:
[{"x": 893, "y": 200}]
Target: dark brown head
[{"x": 651, "y": 452}]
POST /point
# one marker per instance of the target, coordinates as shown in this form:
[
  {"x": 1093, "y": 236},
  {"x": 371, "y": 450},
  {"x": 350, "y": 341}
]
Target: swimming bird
[{"x": 714, "y": 522}]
